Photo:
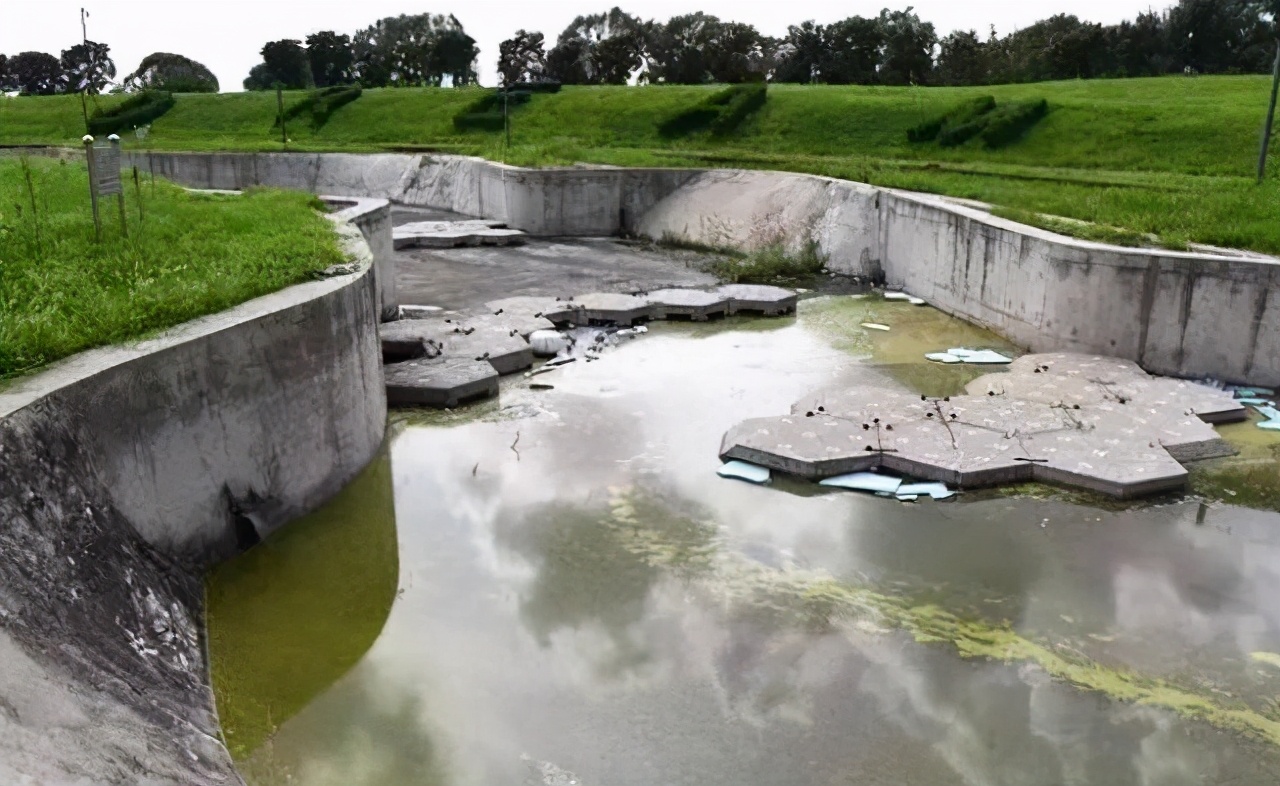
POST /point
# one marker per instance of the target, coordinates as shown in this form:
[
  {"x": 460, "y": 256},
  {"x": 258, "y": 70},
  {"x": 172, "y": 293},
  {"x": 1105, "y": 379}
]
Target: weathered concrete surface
[
  {"x": 455, "y": 234},
  {"x": 128, "y": 468},
  {"x": 1097, "y": 439},
  {"x": 688, "y": 304},
  {"x": 502, "y": 347},
  {"x": 758, "y": 299},
  {"x": 373, "y": 218},
  {"x": 440, "y": 382},
  {"x": 1175, "y": 313}
]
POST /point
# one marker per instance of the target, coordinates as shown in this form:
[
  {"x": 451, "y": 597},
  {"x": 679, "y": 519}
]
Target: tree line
[
  {"x": 88, "y": 68},
  {"x": 419, "y": 50},
  {"x": 897, "y": 48}
]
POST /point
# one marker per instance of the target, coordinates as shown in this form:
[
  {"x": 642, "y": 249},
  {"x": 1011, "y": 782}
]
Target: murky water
[{"x": 582, "y": 601}]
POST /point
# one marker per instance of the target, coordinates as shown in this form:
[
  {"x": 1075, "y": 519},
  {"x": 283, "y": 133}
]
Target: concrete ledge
[{"x": 126, "y": 470}]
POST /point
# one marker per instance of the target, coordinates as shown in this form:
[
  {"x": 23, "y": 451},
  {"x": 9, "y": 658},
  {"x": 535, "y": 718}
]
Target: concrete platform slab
[
  {"x": 689, "y": 303},
  {"x": 518, "y": 321},
  {"x": 454, "y": 234},
  {"x": 454, "y": 336},
  {"x": 557, "y": 310},
  {"x": 609, "y": 308},
  {"x": 404, "y": 340},
  {"x": 758, "y": 299},
  {"x": 439, "y": 382},
  {"x": 1077, "y": 427}
]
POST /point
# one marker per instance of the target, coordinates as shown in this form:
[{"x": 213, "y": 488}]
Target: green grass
[
  {"x": 1171, "y": 157},
  {"x": 186, "y": 255}
]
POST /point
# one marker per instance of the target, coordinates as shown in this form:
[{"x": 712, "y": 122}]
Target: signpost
[{"x": 104, "y": 178}]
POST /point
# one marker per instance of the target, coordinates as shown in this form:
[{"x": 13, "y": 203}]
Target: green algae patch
[
  {"x": 290, "y": 616},
  {"x": 1251, "y": 478},
  {"x": 816, "y": 601},
  {"x": 914, "y": 331}
]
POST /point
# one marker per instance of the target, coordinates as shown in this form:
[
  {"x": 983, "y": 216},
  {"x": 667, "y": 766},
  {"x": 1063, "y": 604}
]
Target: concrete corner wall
[
  {"x": 373, "y": 218},
  {"x": 126, "y": 471}
]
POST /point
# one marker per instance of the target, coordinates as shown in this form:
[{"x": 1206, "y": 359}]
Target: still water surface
[{"x": 582, "y": 601}]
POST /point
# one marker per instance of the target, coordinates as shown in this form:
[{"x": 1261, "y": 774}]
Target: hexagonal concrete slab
[
  {"x": 557, "y": 310},
  {"x": 611, "y": 308},
  {"x": 519, "y": 322},
  {"x": 451, "y": 335},
  {"x": 439, "y": 382},
  {"x": 454, "y": 234},
  {"x": 1076, "y": 434},
  {"x": 688, "y": 303},
  {"x": 404, "y": 340},
  {"x": 758, "y": 299}
]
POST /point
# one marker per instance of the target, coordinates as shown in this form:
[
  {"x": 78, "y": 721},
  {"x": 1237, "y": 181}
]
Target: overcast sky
[{"x": 226, "y": 35}]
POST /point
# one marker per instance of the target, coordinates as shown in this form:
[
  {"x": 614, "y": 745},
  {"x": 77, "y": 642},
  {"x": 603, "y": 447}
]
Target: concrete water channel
[{"x": 555, "y": 588}]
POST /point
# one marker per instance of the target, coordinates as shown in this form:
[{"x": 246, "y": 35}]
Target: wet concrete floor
[
  {"x": 582, "y": 601},
  {"x": 458, "y": 278}
]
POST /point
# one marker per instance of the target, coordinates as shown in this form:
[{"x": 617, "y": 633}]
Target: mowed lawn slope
[
  {"x": 1171, "y": 156},
  {"x": 186, "y": 255}
]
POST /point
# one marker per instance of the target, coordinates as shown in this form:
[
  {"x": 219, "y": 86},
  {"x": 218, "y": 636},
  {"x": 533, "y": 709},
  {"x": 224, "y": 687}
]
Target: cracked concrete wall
[
  {"x": 373, "y": 218},
  {"x": 1182, "y": 314},
  {"x": 122, "y": 469}
]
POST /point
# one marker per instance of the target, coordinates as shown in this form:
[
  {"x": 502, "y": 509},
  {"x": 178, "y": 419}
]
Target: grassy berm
[
  {"x": 186, "y": 255},
  {"x": 1171, "y": 157}
]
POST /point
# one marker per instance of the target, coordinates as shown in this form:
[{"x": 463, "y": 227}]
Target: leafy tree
[
  {"x": 962, "y": 59},
  {"x": 799, "y": 57},
  {"x": 6, "y": 78},
  {"x": 330, "y": 57},
  {"x": 600, "y": 49},
  {"x": 259, "y": 78},
  {"x": 420, "y": 50},
  {"x": 36, "y": 73},
  {"x": 907, "y": 57},
  {"x": 852, "y": 51},
  {"x": 1141, "y": 47},
  {"x": 678, "y": 50},
  {"x": 172, "y": 73},
  {"x": 87, "y": 67},
  {"x": 287, "y": 63},
  {"x": 522, "y": 58}
]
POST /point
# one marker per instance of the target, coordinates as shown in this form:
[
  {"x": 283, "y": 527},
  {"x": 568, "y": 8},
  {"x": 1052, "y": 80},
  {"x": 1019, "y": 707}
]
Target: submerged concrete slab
[
  {"x": 758, "y": 299},
  {"x": 1030, "y": 424},
  {"x": 601, "y": 308},
  {"x": 439, "y": 382},
  {"x": 455, "y": 234},
  {"x": 688, "y": 303}
]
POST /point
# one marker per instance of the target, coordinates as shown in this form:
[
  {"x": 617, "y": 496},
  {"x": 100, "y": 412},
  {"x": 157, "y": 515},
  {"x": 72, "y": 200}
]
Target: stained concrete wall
[
  {"x": 1182, "y": 314},
  {"x": 373, "y": 218},
  {"x": 126, "y": 470}
]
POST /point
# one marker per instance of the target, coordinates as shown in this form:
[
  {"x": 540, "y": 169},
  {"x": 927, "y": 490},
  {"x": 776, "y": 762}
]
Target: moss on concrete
[{"x": 289, "y": 617}]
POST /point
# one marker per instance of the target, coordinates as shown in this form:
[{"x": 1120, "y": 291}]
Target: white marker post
[{"x": 93, "y": 186}]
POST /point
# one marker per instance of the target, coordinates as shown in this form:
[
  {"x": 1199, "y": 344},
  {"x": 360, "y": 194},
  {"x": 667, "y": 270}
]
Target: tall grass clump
[
  {"x": 186, "y": 255},
  {"x": 721, "y": 113},
  {"x": 964, "y": 114},
  {"x": 318, "y": 105},
  {"x": 136, "y": 110}
]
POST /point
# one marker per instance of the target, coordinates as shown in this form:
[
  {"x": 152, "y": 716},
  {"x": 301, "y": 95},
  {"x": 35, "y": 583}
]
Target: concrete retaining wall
[
  {"x": 1182, "y": 314},
  {"x": 128, "y": 469},
  {"x": 373, "y": 218}
]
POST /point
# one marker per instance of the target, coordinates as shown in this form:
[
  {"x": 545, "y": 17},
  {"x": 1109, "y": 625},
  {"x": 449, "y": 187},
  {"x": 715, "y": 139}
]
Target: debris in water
[
  {"x": 1272, "y": 415},
  {"x": 983, "y": 357},
  {"x": 934, "y": 490},
  {"x": 864, "y": 481},
  {"x": 874, "y": 326},
  {"x": 943, "y": 357},
  {"x": 1269, "y": 658},
  {"x": 912, "y": 299},
  {"x": 742, "y": 470},
  {"x": 541, "y": 386},
  {"x": 548, "y": 343}
]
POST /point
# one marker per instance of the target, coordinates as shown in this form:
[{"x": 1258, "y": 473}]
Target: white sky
[{"x": 226, "y": 35}]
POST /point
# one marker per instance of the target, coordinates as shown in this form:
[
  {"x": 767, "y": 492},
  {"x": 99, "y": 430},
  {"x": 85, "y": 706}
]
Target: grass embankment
[
  {"x": 186, "y": 255},
  {"x": 1171, "y": 157}
]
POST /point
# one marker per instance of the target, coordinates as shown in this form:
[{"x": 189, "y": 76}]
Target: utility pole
[
  {"x": 506, "y": 113},
  {"x": 84, "y": 33},
  {"x": 1271, "y": 117}
]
